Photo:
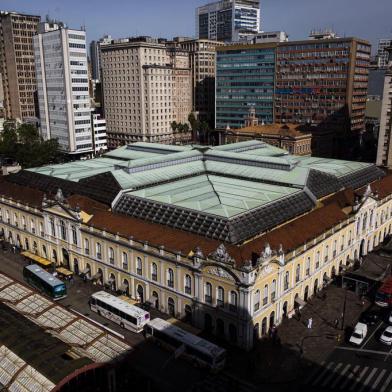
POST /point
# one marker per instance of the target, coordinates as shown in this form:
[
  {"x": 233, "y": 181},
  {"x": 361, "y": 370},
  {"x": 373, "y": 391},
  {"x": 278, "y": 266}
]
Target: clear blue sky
[{"x": 369, "y": 19}]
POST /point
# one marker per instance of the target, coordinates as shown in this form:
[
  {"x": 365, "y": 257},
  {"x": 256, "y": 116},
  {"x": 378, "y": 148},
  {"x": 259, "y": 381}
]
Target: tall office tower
[
  {"x": 99, "y": 133},
  {"x": 384, "y": 150},
  {"x": 202, "y": 61},
  {"x": 228, "y": 20},
  {"x": 63, "y": 87},
  {"x": 322, "y": 81},
  {"x": 382, "y": 52},
  {"x": 95, "y": 55},
  {"x": 17, "y": 64},
  {"x": 244, "y": 79},
  {"x": 147, "y": 85}
]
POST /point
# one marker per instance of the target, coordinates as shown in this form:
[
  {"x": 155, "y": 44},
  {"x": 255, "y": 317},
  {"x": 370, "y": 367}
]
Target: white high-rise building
[
  {"x": 382, "y": 53},
  {"x": 228, "y": 20},
  {"x": 63, "y": 87},
  {"x": 99, "y": 133}
]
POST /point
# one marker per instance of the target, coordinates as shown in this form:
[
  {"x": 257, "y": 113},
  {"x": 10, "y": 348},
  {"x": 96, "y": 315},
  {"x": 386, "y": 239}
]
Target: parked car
[
  {"x": 359, "y": 334},
  {"x": 386, "y": 336},
  {"x": 369, "y": 317}
]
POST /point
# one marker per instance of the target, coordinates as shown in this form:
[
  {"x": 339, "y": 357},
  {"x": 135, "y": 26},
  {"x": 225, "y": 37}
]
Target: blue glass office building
[{"x": 244, "y": 78}]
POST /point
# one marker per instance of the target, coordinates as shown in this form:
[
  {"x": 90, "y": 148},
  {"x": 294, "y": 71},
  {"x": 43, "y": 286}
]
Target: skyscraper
[
  {"x": 63, "y": 88},
  {"x": 228, "y": 20},
  {"x": 17, "y": 64},
  {"x": 95, "y": 55}
]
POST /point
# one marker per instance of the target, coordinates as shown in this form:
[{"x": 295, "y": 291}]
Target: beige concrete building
[
  {"x": 384, "y": 150},
  {"x": 17, "y": 67},
  {"x": 146, "y": 86},
  {"x": 231, "y": 239},
  {"x": 202, "y": 56}
]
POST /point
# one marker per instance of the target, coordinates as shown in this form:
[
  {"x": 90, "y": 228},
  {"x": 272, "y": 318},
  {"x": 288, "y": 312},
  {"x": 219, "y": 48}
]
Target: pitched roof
[
  {"x": 292, "y": 130},
  {"x": 24, "y": 194}
]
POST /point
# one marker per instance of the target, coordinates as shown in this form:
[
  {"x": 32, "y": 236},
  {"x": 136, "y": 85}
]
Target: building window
[
  {"x": 326, "y": 255},
  {"x": 220, "y": 300},
  {"x": 256, "y": 300},
  {"x": 188, "y": 284},
  {"x": 265, "y": 295},
  {"x": 98, "y": 250},
  {"x": 307, "y": 267},
  {"x": 170, "y": 277},
  {"x": 32, "y": 226},
  {"x": 154, "y": 272},
  {"x": 139, "y": 266},
  {"x": 335, "y": 246},
  {"x": 286, "y": 281},
  {"x": 349, "y": 238},
  {"x": 23, "y": 221},
  {"x": 86, "y": 246},
  {"x": 358, "y": 226},
  {"x": 297, "y": 273},
  {"x": 318, "y": 259},
  {"x": 124, "y": 260},
  {"x": 273, "y": 290},
  {"x": 342, "y": 244},
  {"x": 16, "y": 219},
  {"x": 41, "y": 229},
  {"x": 208, "y": 293},
  {"x": 111, "y": 255},
  {"x": 364, "y": 222},
  {"x": 233, "y": 301},
  {"x": 74, "y": 235},
  {"x": 63, "y": 231}
]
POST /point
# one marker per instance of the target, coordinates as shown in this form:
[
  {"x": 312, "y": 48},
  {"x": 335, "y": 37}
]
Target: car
[
  {"x": 359, "y": 334},
  {"x": 386, "y": 336},
  {"x": 369, "y": 318}
]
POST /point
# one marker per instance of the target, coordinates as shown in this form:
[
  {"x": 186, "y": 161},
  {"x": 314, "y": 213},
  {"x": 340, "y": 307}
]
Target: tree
[{"x": 174, "y": 126}]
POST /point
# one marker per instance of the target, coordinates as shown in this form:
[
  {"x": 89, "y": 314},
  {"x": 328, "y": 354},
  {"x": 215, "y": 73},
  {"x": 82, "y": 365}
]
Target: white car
[
  {"x": 386, "y": 336},
  {"x": 359, "y": 334}
]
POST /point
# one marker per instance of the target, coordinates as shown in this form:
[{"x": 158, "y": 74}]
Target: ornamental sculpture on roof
[
  {"x": 59, "y": 196},
  {"x": 221, "y": 255}
]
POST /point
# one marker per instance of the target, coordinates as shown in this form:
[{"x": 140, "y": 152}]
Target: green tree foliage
[{"x": 26, "y": 146}]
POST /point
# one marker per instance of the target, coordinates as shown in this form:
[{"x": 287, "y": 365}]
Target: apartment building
[
  {"x": 202, "y": 56},
  {"x": 99, "y": 133},
  {"x": 384, "y": 149},
  {"x": 233, "y": 252},
  {"x": 228, "y": 20},
  {"x": 63, "y": 87},
  {"x": 382, "y": 52},
  {"x": 147, "y": 85},
  {"x": 323, "y": 82},
  {"x": 17, "y": 69}
]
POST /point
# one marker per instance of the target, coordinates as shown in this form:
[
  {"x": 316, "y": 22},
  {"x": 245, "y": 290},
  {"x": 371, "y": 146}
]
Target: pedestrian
[
  {"x": 336, "y": 323},
  {"x": 310, "y": 322}
]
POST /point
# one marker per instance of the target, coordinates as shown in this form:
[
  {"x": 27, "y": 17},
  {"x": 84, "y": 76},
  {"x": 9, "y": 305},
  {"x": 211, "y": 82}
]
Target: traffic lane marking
[
  {"x": 359, "y": 350},
  {"x": 389, "y": 353},
  {"x": 371, "y": 335}
]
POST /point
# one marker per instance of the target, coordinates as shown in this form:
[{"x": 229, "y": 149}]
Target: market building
[{"x": 231, "y": 238}]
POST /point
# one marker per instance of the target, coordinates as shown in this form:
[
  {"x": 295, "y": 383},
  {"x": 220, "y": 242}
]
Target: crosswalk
[{"x": 339, "y": 376}]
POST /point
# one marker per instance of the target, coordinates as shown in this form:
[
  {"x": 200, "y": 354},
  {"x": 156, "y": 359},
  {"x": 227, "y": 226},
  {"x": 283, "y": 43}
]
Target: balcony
[
  {"x": 170, "y": 283},
  {"x": 188, "y": 290},
  {"x": 87, "y": 252}
]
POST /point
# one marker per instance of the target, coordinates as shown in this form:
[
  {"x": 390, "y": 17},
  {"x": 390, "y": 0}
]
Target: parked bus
[
  {"x": 121, "y": 312},
  {"x": 200, "y": 351},
  {"x": 384, "y": 294},
  {"x": 44, "y": 281}
]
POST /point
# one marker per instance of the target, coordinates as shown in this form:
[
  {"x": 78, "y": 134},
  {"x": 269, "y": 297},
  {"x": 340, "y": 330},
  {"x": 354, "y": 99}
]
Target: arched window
[
  {"x": 265, "y": 295},
  {"x": 139, "y": 266},
  {"x": 350, "y": 234},
  {"x": 233, "y": 301},
  {"x": 208, "y": 293},
  {"x": 256, "y": 300},
  {"x": 41, "y": 229},
  {"x": 371, "y": 218},
  {"x": 63, "y": 231},
  {"x": 342, "y": 243},
  {"x": 273, "y": 290},
  {"x": 286, "y": 280},
  {"x": 111, "y": 255},
  {"x": 318, "y": 259},
  {"x": 170, "y": 277},
  {"x": 188, "y": 284},
  {"x": 44, "y": 251},
  {"x": 32, "y": 226},
  {"x": 358, "y": 225},
  {"x": 220, "y": 300},
  {"x": 297, "y": 273},
  {"x": 335, "y": 247},
  {"x": 98, "y": 250},
  {"x": 52, "y": 227},
  {"x": 364, "y": 222},
  {"x": 74, "y": 235},
  {"x": 326, "y": 253},
  {"x": 154, "y": 272},
  {"x": 307, "y": 267},
  {"x": 86, "y": 246},
  {"x": 124, "y": 260},
  {"x": 23, "y": 221}
]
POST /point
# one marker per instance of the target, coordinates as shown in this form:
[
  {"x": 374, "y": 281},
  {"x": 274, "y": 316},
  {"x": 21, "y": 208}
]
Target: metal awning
[
  {"x": 39, "y": 260},
  {"x": 300, "y": 301}
]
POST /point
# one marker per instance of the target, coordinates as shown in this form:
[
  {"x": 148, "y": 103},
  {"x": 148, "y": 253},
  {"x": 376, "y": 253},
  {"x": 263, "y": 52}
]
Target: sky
[{"x": 368, "y": 19}]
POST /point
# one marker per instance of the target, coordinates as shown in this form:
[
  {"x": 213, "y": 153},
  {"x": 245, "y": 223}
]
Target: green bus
[{"x": 44, "y": 281}]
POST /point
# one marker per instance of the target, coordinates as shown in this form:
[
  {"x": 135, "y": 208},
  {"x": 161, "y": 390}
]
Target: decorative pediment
[
  {"x": 221, "y": 255},
  {"x": 220, "y": 272}
]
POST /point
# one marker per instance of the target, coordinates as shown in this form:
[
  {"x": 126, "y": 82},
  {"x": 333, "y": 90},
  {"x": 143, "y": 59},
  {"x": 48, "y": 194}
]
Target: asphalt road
[
  {"x": 158, "y": 364},
  {"x": 367, "y": 367}
]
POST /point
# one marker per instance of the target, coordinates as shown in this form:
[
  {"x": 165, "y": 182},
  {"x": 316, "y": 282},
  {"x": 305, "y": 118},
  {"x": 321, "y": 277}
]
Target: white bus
[
  {"x": 200, "y": 351},
  {"x": 121, "y": 312}
]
